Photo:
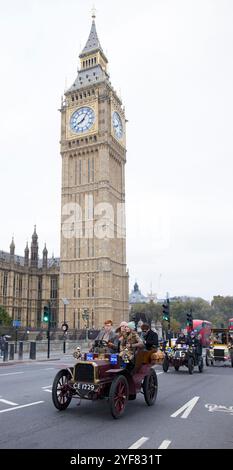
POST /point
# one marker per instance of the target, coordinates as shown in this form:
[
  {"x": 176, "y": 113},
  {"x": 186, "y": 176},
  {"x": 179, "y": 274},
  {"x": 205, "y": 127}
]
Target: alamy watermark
[{"x": 100, "y": 221}]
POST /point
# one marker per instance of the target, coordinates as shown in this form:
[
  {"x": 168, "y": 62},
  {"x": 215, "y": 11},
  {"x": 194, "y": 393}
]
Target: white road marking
[
  {"x": 47, "y": 389},
  {"x": 8, "y": 402},
  {"x": 12, "y": 373},
  {"x": 165, "y": 444},
  {"x": 225, "y": 409},
  {"x": 21, "y": 406},
  {"x": 138, "y": 443},
  {"x": 187, "y": 406}
]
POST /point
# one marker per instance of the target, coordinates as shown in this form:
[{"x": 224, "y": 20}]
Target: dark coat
[
  {"x": 196, "y": 344},
  {"x": 151, "y": 339},
  {"x": 181, "y": 340}
]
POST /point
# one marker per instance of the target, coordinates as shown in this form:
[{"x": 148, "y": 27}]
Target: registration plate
[{"x": 86, "y": 387}]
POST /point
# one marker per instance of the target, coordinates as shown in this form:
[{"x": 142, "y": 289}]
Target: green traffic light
[{"x": 46, "y": 314}]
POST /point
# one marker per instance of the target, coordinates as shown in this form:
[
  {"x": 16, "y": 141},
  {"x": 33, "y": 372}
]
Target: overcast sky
[{"x": 171, "y": 61}]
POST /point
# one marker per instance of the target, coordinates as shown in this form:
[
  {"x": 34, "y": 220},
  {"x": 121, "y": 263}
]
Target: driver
[
  {"x": 181, "y": 338},
  {"x": 195, "y": 341},
  {"x": 108, "y": 335}
]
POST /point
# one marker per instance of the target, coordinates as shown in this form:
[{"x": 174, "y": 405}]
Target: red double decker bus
[
  {"x": 230, "y": 324},
  {"x": 203, "y": 328}
]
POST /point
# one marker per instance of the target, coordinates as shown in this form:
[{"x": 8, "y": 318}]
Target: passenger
[
  {"x": 181, "y": 338},
  {"x": 224, "y": 338},
  {"x": 108, "y": 335},
  {"x": 129, "y": 340},
  {"x": 150, "y": 337}
]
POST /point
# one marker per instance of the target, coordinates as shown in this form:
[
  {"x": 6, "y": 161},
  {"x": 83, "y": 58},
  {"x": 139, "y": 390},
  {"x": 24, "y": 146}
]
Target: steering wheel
[{"x": 101, "y": 343}]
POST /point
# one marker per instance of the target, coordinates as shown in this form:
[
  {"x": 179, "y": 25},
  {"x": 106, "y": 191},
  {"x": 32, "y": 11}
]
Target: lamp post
[
  {"x": 64, "y": 325},
  {"x": 85, "y": 316}
]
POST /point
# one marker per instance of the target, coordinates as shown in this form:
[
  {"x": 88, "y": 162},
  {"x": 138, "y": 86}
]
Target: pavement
[{"x": 41, "y": 356}]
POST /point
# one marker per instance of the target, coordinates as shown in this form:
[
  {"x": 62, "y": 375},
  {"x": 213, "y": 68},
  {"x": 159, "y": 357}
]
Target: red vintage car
[{"x": 102, "y": 375}]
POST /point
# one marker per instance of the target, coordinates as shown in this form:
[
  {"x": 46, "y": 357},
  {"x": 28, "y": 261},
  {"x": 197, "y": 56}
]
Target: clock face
[
  {"x": 82, "y": 120},
  {"x": 117, "y": 125}
]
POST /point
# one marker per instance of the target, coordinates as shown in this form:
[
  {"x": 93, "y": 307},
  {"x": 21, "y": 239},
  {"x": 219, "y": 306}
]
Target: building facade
[
  {"x": 93, "y": 275},
  {"x": 28, "y": 283},
  {"x": 89, "y": 282}
]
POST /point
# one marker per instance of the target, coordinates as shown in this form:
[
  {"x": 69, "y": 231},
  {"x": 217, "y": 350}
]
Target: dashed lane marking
[
  {"x": 21, "y": 406},
  {"x": 138, "y": 443},
  {"x": 11, "y": 373},
  {"x": 165, "y": 444}
]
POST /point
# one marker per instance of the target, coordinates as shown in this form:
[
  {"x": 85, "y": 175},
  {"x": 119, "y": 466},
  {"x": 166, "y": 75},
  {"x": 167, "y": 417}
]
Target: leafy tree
[
  {"x": 222, "y": 310},
  {"x": 218, "y": 311},
  {"x": 146, "y": 312},
  {"x": 201, "y": 309},
  {"x": 5, "y": 319}
]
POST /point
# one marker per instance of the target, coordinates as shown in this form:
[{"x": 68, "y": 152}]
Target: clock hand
[{"x": 80, "y": 122}]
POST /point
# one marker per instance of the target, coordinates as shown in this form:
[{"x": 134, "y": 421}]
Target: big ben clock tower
[{"x": 93, "y": 275}]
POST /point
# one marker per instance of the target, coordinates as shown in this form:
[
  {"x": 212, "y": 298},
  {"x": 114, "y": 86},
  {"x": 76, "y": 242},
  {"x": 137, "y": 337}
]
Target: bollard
[
  {"x": 32, "y": 354},
  {"x": 5, "y": 352},
  {"x": 12, "y": 352},
  {"x": 20, "y": 355}
]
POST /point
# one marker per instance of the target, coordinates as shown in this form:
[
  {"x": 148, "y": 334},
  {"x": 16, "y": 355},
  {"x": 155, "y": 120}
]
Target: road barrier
[
  {"x": 20, "y": 354},
  {"x": 12, "y": 352},
  {"x": 32, "y": 352}
]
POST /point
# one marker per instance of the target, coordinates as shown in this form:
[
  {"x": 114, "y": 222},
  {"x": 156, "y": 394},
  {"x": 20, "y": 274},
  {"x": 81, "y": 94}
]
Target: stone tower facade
[
  {"x": 93, "y": 276},
  {"x": 27, "y": 283}
]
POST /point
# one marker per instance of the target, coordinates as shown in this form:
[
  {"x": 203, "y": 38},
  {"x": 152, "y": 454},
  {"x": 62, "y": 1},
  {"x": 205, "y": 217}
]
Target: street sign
[{"x": 16, "y": 323}]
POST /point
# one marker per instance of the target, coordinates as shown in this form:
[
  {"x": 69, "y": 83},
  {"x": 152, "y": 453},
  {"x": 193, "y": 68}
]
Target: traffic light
[
  {"x": 190, "y": 319},
  {"x": 46, "y": 314},
  {"x": 166, "y": 311},
  {"x": 65, "y": 327}
]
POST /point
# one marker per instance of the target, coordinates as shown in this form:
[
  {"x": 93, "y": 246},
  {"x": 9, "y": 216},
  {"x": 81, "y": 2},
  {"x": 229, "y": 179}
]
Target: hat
[
  {"x": 123, "y": 323},
  {"x": 131, "y": 325}
]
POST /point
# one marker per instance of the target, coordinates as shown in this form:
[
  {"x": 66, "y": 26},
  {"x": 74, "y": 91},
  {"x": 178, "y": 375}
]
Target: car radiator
[
  {"x": 84, "y": 373},
  {"x": 219, "y": 353}
]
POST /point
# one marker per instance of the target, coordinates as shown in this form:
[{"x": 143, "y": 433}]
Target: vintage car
[
  {"x": 182, "y": 355},
  {"x": 103, "y": 375},
  {"x": 221, "y": 347}
]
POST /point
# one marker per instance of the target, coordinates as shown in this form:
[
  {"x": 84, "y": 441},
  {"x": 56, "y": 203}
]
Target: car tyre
[
  {"x": 118, "y": 396},
  {"x": 150, "y": 387},
  {"x": 165, "y": 364},
  {"x": 200, "y": 364},
  {"x": 190, "y": 365},
  {"x": 61, "y": 395},
  {"x": 207, "y": 361}
]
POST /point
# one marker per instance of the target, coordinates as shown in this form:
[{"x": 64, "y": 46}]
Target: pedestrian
[{"x": 2, "y": 344}]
